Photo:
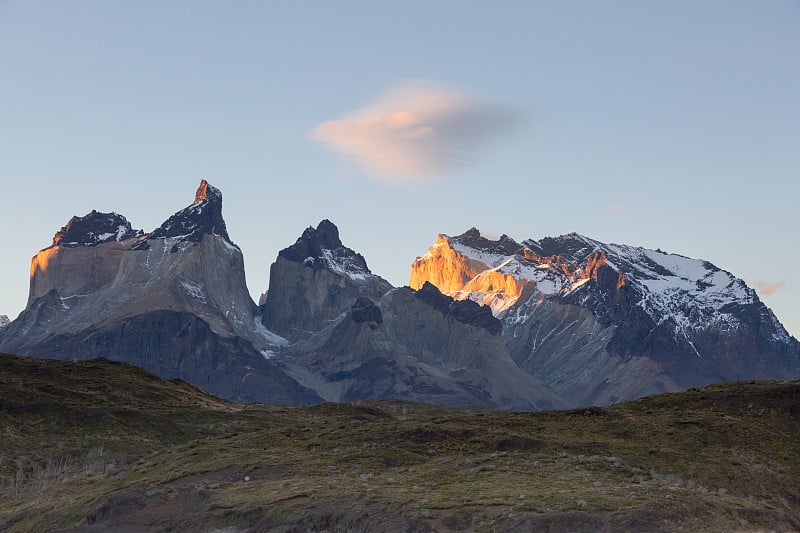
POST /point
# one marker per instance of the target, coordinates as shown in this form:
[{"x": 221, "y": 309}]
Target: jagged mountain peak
[
  {"x": 313, "y": 240},
  {"x": 192, "y": 223},
  {"x": 321, "y": 247},
  {"x": 571, "y": 246},
  {"x": 4, "y": 321},
  {"x": 473, "y": 238},
  {"x": 207, "y": 193},
  {"x": 93, "y": 229}
]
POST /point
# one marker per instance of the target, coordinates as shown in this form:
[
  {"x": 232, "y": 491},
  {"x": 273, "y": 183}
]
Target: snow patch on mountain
[
  {"x": 344, "y": 265},
  {"x": 194, "y": 290},
  {"x": 489, "y": 259},
  {"x": 692, "y": 293},
  {"x": 272, "y": 339},
  {"x": 4, "y": 321},
  {"x": 548, "y": 281}
]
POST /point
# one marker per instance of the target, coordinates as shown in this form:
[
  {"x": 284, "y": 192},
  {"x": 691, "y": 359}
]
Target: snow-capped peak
[{"x": 689, "y": 293}]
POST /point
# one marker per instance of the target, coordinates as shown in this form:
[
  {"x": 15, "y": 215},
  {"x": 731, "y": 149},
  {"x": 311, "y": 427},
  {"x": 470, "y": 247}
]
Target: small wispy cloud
[
  {"x": 615, "y": 208},
  {"x": 416, "y": 131},
  {"x": 766, "y": 288}
]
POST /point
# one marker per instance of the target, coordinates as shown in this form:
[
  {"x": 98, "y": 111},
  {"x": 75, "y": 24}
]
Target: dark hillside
[{"x": 98, "y": 445}]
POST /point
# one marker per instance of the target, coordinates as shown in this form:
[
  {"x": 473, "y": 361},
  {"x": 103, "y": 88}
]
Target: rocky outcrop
[
  {"x": 314, "y": 281},
  {"x": 465, "y": 311},
  {"x": 364, "y": 310}
]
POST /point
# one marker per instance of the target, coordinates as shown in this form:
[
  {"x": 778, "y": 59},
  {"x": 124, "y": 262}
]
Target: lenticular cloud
[
  {"x": 415, "y": 132},
  {"x": 765, "y": 288}
]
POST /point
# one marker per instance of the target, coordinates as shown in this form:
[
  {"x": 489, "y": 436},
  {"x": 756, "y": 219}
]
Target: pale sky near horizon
[{"x": 672, "y": 125}]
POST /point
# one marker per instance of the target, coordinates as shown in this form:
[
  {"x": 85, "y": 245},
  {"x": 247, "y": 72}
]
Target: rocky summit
[
  {"x": 314, "y": 281},
  {"x": 538, "y": 324}
]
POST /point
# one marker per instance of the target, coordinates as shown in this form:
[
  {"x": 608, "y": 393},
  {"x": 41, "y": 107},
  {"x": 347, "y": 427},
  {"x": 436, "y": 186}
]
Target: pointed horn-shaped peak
[
  {"x": 191, "y": 223},
  {"x": 206, "y": 192}
]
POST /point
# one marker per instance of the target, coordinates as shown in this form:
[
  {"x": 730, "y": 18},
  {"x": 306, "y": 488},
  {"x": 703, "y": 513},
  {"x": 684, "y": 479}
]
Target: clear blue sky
[{"x": 664, "y": 124}]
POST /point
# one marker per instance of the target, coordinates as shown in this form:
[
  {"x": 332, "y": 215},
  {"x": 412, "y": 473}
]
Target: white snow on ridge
[
  {"x": 575, "y": 286},
  {"x": 690, "y": 292},
  {"x": 489, "y": 259},
  {"x": 548, "y": 281},
  {"x": 342, "y": 266},
  {"x": 692, "y": 278}
]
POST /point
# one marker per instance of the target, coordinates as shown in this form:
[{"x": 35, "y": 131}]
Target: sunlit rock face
[
  {"x": 173, "y": 301},
  {"x": 601, "y": 322},
  {"x": 446, "y": 268},
  {"x": 84, "y": 257},
  {"x": 492, "y": 273},
  {"x": 314, "y": 281}
]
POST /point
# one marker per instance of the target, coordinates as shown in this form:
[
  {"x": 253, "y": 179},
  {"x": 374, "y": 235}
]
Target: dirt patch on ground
[
  {"x": 147, "y": 510},
  {"x": 177, "y": 505}
]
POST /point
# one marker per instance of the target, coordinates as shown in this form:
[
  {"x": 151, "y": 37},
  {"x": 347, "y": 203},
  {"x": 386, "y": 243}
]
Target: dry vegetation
[{"x": 98, "y": 445}]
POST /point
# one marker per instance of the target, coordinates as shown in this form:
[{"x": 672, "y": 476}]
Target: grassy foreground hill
[{"x": 103, "y": 446}]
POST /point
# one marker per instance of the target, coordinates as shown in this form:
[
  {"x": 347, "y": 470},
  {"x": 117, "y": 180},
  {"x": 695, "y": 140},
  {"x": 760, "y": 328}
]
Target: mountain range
[{"x": 559, "y": 322}]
